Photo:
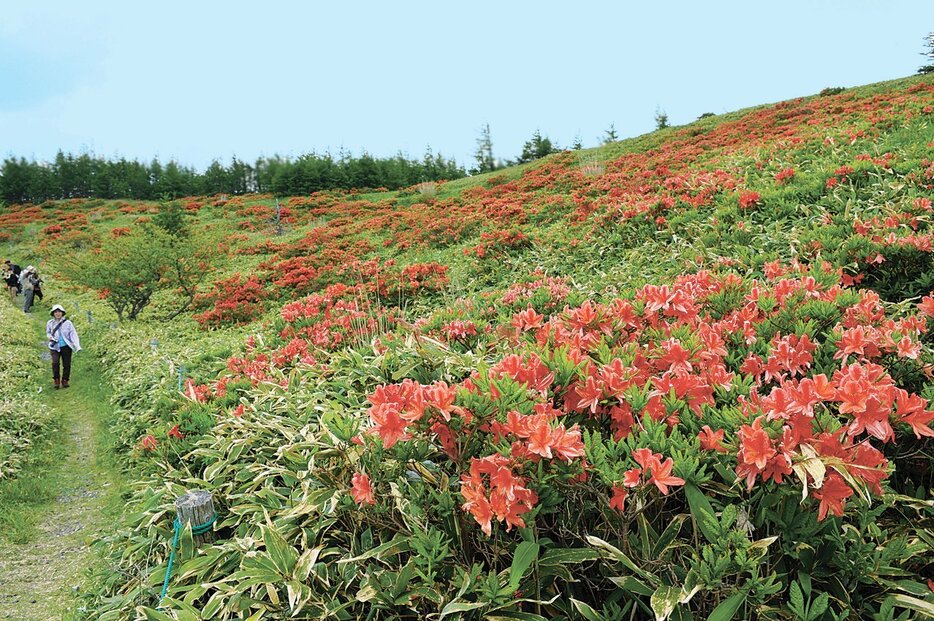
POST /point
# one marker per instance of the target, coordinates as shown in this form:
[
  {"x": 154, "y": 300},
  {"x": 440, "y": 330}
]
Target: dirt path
[{"x": 37, "y": 578}]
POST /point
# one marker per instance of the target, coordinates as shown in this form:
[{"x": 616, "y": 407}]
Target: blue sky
[{"x": 196, "y": 80}]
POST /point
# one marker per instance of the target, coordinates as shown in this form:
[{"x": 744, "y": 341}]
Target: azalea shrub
[
  {"x": 762, "y": 419},
  {"x": 763, "y": 395},
  {"x": 691, "y": 381},
  {"x": 235, "y": 300}
]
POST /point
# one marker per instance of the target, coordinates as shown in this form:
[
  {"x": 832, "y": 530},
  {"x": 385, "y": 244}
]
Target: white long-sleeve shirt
[{"x": 66, "y": 333}]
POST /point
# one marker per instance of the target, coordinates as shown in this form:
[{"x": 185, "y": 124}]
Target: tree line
[{"x": 86, "y": 176}]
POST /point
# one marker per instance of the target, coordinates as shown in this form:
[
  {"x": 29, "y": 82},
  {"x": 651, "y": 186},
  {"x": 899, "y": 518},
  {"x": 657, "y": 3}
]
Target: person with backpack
[
  {"x": 63, "y": 342},
  {"x": 11, "y": 272},
  {"x": 29, "y": 280},
  {"x": 37, "y": 290}
]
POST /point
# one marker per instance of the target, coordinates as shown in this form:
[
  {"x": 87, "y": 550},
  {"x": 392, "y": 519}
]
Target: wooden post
[
  {"x": 278, "y": 218},
  {"x": 196, "y": 508}
]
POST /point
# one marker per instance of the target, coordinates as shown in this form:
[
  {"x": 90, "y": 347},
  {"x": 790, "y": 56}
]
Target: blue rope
[{"x": 200, "y": 529}]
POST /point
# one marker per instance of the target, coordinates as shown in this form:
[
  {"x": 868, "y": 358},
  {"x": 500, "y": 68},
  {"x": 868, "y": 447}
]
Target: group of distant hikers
[
  {"x": 62, "y": 337},
  {"x": 25, "y": 281}
]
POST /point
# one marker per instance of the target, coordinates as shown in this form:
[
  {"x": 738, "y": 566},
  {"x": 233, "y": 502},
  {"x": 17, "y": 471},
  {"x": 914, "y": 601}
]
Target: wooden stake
[{"x": 196, "y": 508}]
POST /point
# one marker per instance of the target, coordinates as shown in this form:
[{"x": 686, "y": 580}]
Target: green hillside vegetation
[{"x": 682, "y": 376}]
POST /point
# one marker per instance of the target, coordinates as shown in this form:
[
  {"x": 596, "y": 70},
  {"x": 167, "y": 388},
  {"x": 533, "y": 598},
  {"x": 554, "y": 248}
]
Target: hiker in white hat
[
  {"x": 63, "y": 341},
  {"x": 29, "y": 280}
]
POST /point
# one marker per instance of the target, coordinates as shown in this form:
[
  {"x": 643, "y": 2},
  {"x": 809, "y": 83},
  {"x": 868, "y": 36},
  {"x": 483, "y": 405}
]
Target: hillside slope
[{"x": 684, "y": 375}]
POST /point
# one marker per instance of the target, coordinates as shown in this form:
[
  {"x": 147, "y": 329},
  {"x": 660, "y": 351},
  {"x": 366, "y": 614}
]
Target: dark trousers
[{"x": 65, "y": 357}]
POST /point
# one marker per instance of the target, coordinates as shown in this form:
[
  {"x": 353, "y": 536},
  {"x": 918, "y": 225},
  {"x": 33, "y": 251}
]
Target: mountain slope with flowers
[{"x": 681, "y": 376}]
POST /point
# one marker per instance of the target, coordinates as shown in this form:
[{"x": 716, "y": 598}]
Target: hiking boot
[
  {"x": 64, "y": 383},
  {"x": 56, "y": 384}
]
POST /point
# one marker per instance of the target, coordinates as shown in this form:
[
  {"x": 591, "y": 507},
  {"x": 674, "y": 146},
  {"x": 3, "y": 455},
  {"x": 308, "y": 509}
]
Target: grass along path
[{"x": 68, "y": 493}]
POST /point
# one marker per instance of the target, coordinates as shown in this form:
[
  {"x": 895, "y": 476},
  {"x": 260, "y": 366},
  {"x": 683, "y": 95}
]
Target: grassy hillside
[{"x": 685, "y": 375}]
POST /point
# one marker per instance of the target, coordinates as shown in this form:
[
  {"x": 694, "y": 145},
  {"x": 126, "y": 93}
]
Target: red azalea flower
[
  {"x": 748, "y": 199},
  {"x": 756, "y": 445},
  {"x": 832, "y": 495},
  {"x": 710, "y": 440},
  {"x": 646, "y": 458},
  {"x": 617, "y": 501},
  {"x": 662, "y": 477},
  {"x": 388, "y": 423},
  {"x": 632, "y": 477},
  {"x": 361, "y": 491}
]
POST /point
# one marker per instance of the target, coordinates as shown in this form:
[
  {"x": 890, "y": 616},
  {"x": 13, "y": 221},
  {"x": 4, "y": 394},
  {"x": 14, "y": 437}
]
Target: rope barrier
[{"x": 200, "y": 529}]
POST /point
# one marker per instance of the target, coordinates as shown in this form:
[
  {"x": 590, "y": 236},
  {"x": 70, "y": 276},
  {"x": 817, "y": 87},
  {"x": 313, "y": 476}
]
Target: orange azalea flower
[
  {"x": 748, "y": 199},
  {"x": 589, "y": 393},
  {"x": 869, "y": 465},
  {"x": 567, "y": 444},
  {"x": 441, "y": 396},
  {"x": 784, "y": 175},
  {"x": 540, "y": 440},
  {"x": 508, "y": 500},
  {"x": 174, "y": 432},
  {"x": 361, "y": 491},
  {"x": 388, "y": 424},
  {"x": 646, "y": 458},
  {"x": 477, "y": 503},
  {"x": 527, "y": 319},
  {"x": 632, "y": 477},
  {"x": 148, "y": 442},
  {"x": 908, "y": 349},
  {"x": 920, "y": 422},
  {"x": 710, "y": 440},
  {"x": 617, "y": 501},
  {"x": 662, "y": 477},
  {"x": 675, "y": 358},
  {"x": 756, "y": 445},
  {"x": 874, "y": 420},
  {"x": 832, "y": 495},
  {"x": 926, "y": 306}
]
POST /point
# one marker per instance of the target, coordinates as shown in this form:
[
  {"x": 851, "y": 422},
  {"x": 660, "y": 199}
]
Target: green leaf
[
  {"x": 668, "y": 535},
  {"x": 520, "y": 616},
  {"x": 664, "y": 600},
  {"x": 395, "y": 546},
  {"x": 703, "y": 512},
  {"x": 283, "y": 555},
  {"x": 152, "y": 615},
  {"x": 212, "y": 609},
  {"x": 586, "y": 610},
  {"x": 727, "y": 608},
  {"x": 564, "y": 556},
  {"x": 646, "y": 535},
  {"x": 805, "y": 580},
  {"x": 632, "y": 585},
  {"x": 618, "y": 555},
  {"x": 400, "y": 585},
  {"x": 797, "y": 599},
  {"x": 819, "y": 607},
  {"x": 526, "y": 553},
  {"x": 913, "y": 603},
  {"x": 455, "y": 607}
]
